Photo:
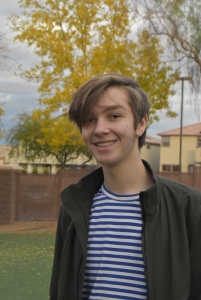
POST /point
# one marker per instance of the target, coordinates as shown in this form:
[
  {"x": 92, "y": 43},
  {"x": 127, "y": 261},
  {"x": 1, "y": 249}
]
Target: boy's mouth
[{"x": 104, "y": 144}]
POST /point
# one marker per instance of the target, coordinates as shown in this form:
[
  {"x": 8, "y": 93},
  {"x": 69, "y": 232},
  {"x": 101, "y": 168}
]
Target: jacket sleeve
[
  {"x": 59, "y": 241},
  {"x": 195, "y": 257}
]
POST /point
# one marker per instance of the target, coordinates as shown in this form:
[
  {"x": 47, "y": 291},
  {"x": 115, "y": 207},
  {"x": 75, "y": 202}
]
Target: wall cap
[{"x": 10, "y": 168}]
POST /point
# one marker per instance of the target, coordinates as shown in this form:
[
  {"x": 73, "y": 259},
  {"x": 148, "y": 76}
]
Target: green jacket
[{"x": 172, "y": 239}]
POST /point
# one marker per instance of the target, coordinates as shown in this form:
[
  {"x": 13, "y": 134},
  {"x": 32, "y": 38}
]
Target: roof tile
[{"x": 194, "y": 129}]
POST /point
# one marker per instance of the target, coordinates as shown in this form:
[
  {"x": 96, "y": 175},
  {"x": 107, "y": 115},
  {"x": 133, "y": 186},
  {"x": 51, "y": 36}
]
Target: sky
[{"x": 18, "y": 95}]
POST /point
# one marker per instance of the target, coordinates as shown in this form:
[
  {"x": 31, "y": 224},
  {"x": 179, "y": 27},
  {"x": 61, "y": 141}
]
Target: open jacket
[{"x": 171, "y": 239}]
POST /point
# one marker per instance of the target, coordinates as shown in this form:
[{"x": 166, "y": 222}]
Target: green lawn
[{"x": 25, "y": 266}]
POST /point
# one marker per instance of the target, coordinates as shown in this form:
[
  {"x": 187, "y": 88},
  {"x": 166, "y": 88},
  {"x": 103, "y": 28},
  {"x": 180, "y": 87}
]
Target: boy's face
[{"x": 109, "y": 131}]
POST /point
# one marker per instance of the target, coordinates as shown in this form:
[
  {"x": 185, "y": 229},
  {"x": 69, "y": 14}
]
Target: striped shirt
[{"x": 115, "y": 264}]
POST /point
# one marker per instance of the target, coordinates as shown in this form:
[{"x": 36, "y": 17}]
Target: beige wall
[
  {"x": 152, "y": 155},
  {"x": 40, "y": 164},
  {"x": 198, "y": 155},
  {"x": 190, "y": 152}
]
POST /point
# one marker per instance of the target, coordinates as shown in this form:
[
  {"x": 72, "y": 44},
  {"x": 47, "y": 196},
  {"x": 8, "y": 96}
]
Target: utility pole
[{"x": 181, "y": 117}]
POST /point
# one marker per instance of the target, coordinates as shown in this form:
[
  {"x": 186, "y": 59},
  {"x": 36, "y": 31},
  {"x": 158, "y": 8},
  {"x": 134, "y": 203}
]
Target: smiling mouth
[{"x": 104, "y": 144}]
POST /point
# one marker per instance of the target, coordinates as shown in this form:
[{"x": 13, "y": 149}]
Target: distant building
[
  {"x": 3, "y": 151},
  {"x": 151, "y": 152},
  {"x": 191, "y": 148},
  {"x": 40, "y": 165}
]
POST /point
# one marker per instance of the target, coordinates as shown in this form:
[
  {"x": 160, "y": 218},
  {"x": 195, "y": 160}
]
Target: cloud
[
  {"x": 15, "y": 85},
  {"x": 16, "y": 93},
  {"x": 4, "y": 99},
  {"x": 9, "y": 7},
  {"x": 18, "y": 103}
]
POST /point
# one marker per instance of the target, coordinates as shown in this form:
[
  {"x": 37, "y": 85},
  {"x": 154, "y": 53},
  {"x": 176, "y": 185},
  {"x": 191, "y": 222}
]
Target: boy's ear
[{"x": 142, "y": 125}]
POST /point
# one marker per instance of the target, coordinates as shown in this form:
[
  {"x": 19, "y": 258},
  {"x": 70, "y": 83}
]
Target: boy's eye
[
  {"x": 115, "y": 116},
  {"x": 90, "y": 120}
]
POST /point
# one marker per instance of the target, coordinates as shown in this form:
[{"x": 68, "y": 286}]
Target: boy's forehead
[
  {"x": 107, "y": 108},
  {"x": 113, "y": 98}
]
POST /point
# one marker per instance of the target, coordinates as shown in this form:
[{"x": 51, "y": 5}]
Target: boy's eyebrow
[
  {"x": 111, "y": 107},
  {"x": 107, "y": 108}
]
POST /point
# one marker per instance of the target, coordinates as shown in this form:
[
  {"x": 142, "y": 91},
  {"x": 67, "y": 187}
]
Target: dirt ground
[{"x": 29, "y": 227}]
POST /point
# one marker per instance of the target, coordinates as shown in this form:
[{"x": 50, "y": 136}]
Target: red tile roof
[
  {"x": 194, "y": 129},
  {"x": 151, "y": 140}
]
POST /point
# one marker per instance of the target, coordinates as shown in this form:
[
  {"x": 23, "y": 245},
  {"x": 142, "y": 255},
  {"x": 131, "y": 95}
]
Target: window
[
  {"x": 15, "y": 154},
  {"x": 199, "y": 141},
  {"x": 175, "y": 168},
  {"x": 190, "y": 168},
  {"x": 165, "y": 141},
  {"x": 29, "y": 152},
  {"x": 166, "y": 168},
  {"x": 170, "y": 168}
]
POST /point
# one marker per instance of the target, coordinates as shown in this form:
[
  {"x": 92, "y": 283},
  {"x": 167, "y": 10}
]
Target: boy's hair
[{"x": 88, "y": 94}]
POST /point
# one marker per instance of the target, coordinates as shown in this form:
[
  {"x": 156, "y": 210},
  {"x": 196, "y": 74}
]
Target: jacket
[{"x": 171, "y": 239}]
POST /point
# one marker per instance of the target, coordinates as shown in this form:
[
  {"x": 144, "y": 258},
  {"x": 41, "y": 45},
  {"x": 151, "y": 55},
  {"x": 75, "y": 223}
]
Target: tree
[
  {"x": 152, "y": 74},
  {"x": 179, "y": 22},
  {"x": 4, "y": 55},
  {"x": 79, "y": 39},
  {"x": 1, "y": 130},
  {"x": 36, "y": 136},
  {"x": 4, "y": 50},
  {"x": 6, "y": 58}
]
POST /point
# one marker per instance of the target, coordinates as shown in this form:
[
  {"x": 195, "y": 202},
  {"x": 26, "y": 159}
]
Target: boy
[{"x": 124, "y": 232}]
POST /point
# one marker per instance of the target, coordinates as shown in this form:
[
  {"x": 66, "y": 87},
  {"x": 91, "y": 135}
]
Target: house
[
  {"x": 40, "y": 165},
  {"x": 190, "y": 150},
  {"x": 3, "y": 151},
  {"x": 151, "y": 152}
]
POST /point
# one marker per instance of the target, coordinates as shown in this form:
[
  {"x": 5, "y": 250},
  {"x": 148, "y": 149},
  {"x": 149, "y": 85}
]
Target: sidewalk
[{"x": 29, "y": 227}]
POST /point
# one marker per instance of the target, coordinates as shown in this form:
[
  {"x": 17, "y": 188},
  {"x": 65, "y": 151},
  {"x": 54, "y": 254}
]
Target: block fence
[
  {"x": 13, "y": 185},
  {"x": 8, "y": 193}
]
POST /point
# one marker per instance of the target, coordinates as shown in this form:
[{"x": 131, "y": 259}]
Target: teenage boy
[{"x": 124, "y": 232}]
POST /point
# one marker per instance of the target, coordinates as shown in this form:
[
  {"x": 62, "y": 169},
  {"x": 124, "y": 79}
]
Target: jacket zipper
[
  {"x": 143, "y": 246},
  {"x": 77, "y": 278}
]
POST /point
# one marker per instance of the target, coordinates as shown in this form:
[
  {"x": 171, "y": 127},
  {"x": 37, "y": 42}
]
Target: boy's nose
[{"x": 101, "y": 128}]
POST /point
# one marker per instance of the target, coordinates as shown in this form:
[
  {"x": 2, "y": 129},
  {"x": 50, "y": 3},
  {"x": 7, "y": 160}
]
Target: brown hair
[{"x": 88, "y": 94}]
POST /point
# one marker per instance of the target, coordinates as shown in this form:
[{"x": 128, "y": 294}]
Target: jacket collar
[
  {"x": 81, "y": 194},
  {"x": 77, "y": 198},
  {"x": 151, "y": 196}
]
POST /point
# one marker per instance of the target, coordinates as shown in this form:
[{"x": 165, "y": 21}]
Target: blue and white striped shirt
[{"x": 115, "y": 263}]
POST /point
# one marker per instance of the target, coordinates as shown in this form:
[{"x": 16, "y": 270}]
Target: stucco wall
[
  {"x": 190, "y": 152},
  {"x": 151, "y": 155}
]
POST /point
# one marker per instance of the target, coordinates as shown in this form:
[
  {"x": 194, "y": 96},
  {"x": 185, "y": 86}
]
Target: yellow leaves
[
  {"x": 65, "y": 34},
  {"x": 52, "y": 136},
  {"x": 77, "y": 40},
  {"x": 1, "y": 112}
]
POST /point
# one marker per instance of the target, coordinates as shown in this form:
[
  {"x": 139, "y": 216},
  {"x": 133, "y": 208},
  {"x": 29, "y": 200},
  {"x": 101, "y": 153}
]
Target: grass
[{"x": 25, "y": 264}]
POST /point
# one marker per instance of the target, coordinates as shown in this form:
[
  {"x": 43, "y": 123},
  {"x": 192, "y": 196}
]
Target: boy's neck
[{"x": 127, "y": 180}]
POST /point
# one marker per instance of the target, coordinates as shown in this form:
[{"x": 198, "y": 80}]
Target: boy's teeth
[{"x": 104, "y": 144}]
